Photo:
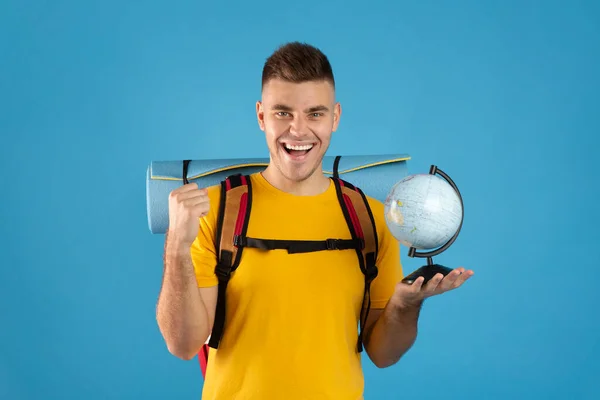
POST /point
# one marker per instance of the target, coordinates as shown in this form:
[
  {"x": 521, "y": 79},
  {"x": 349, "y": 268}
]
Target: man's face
[{"x": 298, "y": 120}]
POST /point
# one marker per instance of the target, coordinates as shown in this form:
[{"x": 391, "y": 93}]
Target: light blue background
[{"x": 502, "y": 95}]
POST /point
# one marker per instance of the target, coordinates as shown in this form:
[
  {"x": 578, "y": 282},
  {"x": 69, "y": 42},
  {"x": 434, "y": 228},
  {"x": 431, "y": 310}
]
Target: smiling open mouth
[{"x": 297, "y": 151}]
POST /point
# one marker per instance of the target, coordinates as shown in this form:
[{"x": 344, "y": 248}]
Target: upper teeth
[{"x": 304, "y": 147}]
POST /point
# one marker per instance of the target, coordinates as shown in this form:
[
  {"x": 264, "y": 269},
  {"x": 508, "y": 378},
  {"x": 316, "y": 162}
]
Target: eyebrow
[{"x": 309, "y": 110}]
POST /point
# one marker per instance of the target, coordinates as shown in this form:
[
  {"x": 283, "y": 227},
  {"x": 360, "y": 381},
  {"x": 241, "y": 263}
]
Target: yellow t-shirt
[{"x": 291, "y": 326}]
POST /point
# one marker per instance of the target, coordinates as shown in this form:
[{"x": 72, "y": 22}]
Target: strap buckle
[
  {"x": 371, "y": 272},
  {"x": 332, "y": 244},
  {"x": 361, "y": 243},
  {"x": 239, "y": 241},
  {"x": 223, "y": 272}
]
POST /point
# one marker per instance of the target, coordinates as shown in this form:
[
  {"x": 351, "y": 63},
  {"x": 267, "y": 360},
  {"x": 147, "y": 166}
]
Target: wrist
[
  {"x": 406, "y": 306},
  {"x": 174, "y": 247},
  {"x": 403, "y": 313}
]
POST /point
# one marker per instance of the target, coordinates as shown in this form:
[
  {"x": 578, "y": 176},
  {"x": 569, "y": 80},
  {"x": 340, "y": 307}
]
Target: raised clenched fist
[{"x": 187, "y": 204}]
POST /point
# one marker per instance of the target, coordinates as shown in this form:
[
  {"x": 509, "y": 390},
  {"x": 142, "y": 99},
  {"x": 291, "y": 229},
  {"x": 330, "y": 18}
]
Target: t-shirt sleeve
[
  {"x": 203, "y": 250},
  {"x": 388, "y": 260}
]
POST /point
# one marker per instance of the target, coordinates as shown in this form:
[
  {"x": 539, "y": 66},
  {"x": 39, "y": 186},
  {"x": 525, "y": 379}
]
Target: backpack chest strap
[{"x": 298, "y": 246}]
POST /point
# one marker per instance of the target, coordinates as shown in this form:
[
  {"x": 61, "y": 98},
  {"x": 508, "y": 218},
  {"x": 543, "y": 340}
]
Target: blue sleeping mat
[{"x": 374, "y": 174}]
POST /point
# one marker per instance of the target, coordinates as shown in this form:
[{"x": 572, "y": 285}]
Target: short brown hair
[{"x": 297, "y": 62}]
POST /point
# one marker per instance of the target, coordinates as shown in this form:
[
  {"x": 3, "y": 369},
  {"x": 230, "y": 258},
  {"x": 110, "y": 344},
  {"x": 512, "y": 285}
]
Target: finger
[
  {"x": 433, "y": 283},
  {"x": 199, "y": 210},
  {"x": 410, "y": 286},
  {"x": 417, "y": 284},
  {"x": 186, "y": 188},
  {"x": 463, "y": 278},
  {"x": 193, "y": 197},
  {"x": 180, "y": 191},
  {"x": 192, "y": 194},
  {"x": 195, "y": 202},
  {"x": 451, "y": 279}
]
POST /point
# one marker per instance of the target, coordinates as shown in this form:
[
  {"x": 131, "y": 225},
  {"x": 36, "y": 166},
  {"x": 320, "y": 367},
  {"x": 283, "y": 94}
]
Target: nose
[{"x": 298, "y": 126}]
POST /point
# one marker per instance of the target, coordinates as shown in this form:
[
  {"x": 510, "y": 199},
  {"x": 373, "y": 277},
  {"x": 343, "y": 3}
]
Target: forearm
[
  {"x": 181, "y": 313},
  {"x": 393, "y": 334}
]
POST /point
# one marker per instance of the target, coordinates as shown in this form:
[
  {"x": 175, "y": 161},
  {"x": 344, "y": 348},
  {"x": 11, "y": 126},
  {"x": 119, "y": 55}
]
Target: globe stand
[{"x": 431, "y": 269}]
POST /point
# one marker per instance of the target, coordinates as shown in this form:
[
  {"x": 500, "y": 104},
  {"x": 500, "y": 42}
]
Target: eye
[
  {"x": 316, "y": 115},
  {"x": 282, "y": 114}
]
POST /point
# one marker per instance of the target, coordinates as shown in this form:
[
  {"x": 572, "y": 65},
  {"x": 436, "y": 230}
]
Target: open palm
[{"x": 413, "y": 294}]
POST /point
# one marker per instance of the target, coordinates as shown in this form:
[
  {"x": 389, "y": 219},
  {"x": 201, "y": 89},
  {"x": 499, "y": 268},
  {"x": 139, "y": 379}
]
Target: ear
[
  {"x": 337, "y": 113},
  {"x": 260, "y": 115}
]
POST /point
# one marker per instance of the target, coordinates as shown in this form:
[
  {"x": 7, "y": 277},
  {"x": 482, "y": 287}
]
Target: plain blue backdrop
[{"x": 501, "y": 95}]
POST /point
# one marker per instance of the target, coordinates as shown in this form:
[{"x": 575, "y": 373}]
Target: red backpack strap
[
  {"x": 361, "y": 223},
  {"x": 203, "y": 358},
  {"x": 234, "y": 213}
]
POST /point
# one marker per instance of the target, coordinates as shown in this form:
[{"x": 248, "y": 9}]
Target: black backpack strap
[
  {"x": 298, "y": 246},
  {"x": 234, "y": 213},
  {"x": 186, "y": 164},
  {"x": 336, "y": 166},
  {"x": 362, "y": 227}
]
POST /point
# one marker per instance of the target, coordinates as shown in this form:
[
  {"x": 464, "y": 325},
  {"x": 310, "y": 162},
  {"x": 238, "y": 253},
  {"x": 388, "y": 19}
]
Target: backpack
[{"x": 231, "y": 239}]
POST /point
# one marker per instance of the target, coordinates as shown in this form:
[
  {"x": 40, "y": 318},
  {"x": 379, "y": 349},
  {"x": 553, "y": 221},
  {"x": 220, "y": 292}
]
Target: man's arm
[
  {"x": 185, "y": 313},
  {"x": 391, "y": 332}
]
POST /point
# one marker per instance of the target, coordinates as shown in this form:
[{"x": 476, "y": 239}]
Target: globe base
[{"x": 427, "y": 271}]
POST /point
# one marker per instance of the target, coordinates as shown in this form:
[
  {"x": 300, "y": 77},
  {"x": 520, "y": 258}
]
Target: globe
[{"x": 423, "y": 211}]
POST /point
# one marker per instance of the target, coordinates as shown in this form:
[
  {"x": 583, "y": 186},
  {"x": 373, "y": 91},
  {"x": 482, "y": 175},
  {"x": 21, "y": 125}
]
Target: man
[{"x": 291, "y": 322}]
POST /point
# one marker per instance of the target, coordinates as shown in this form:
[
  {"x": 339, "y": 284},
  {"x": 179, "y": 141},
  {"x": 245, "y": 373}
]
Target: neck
[{"x": 315, "y": 184}]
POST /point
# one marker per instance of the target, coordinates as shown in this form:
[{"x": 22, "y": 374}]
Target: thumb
[{"x": 416, "y": 285}]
